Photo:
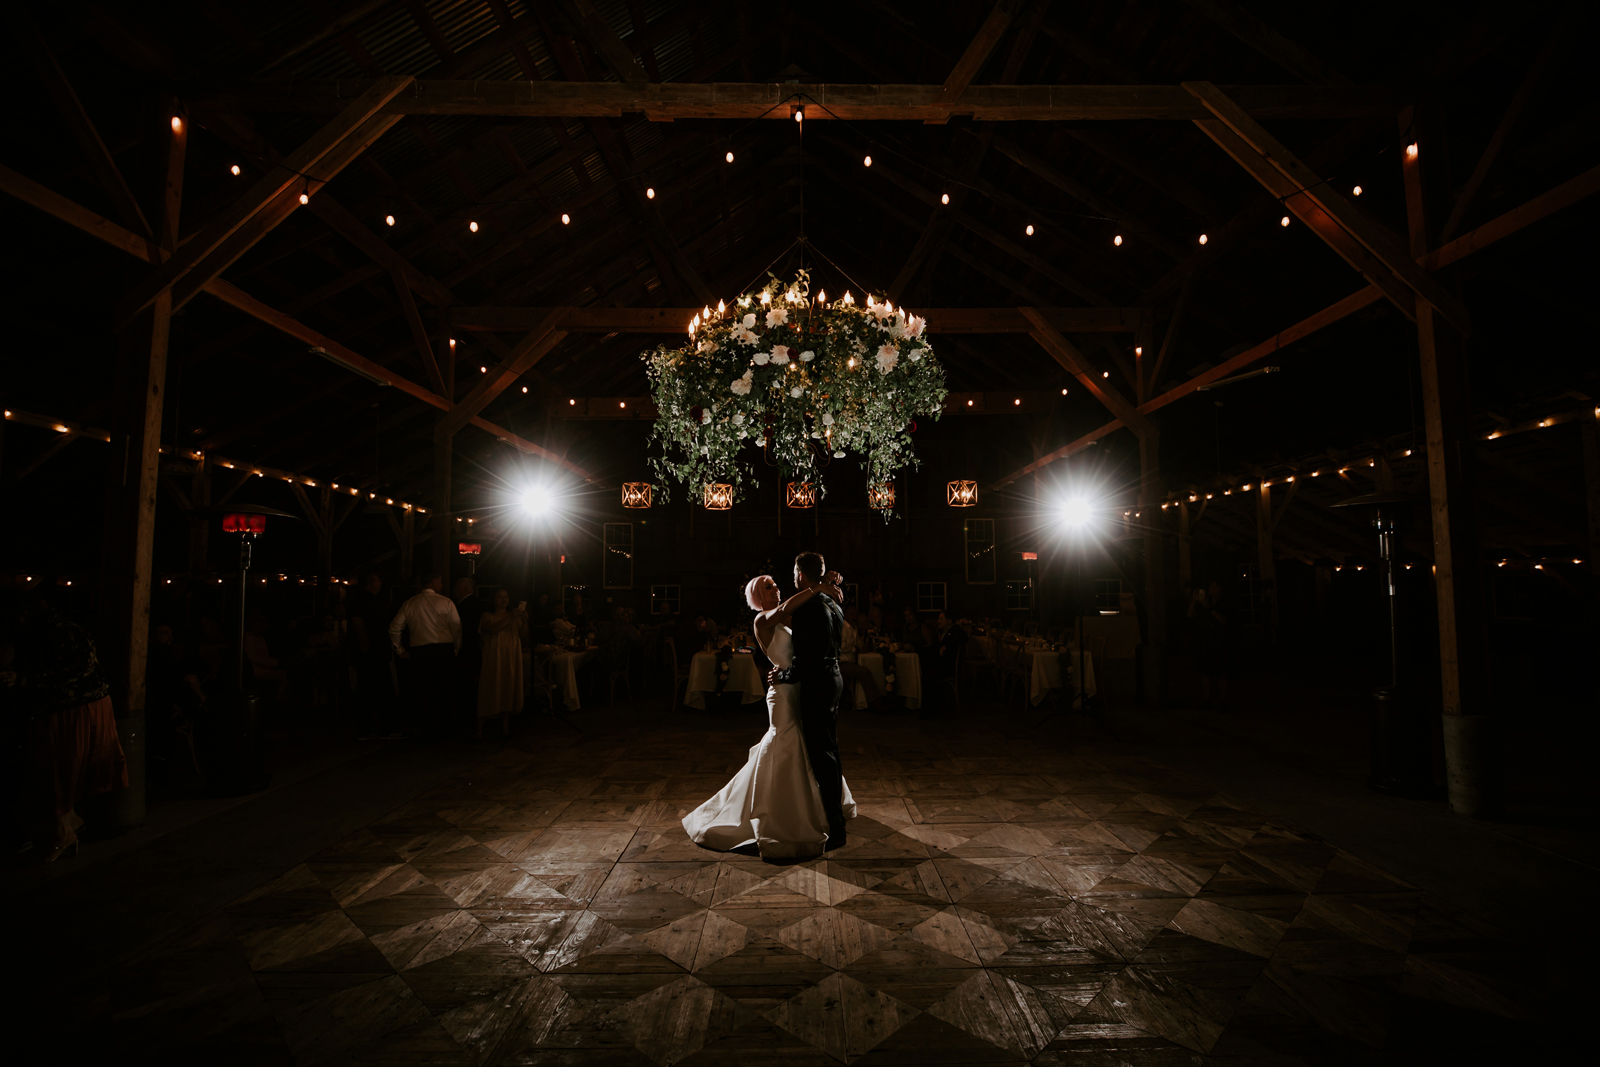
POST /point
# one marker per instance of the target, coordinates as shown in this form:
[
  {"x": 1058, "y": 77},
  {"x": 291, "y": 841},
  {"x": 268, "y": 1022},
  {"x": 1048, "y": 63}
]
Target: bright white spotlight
[
  {"x": 538, "y": 501},
  {"x": 1075, "y": 511}
]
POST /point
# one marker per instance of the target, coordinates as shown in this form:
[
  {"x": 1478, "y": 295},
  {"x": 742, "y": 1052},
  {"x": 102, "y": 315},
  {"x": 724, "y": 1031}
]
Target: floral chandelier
[{"x": 805, "y": 381}]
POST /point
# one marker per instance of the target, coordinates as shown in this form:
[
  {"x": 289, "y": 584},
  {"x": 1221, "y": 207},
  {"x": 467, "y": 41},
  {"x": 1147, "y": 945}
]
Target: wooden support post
[
  {"x": 443, "y": 458},
  {"x": 132, "y": 482},
  {"x": 1185, "y": 559},
  {"x": 1266, "y": 572},
  {"x": 408, "y": 544},
  {"x": 1590, "y": 431},
  {"x": 1155, "y": 569},
  {"x": 1458, "y": 574}
]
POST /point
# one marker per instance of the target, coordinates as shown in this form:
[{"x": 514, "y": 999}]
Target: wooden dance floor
[{"x": 1002, "y": 900}]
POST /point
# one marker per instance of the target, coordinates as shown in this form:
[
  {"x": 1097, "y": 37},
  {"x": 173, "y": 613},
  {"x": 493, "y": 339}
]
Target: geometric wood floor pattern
[{"x": 1001, "y": 901}]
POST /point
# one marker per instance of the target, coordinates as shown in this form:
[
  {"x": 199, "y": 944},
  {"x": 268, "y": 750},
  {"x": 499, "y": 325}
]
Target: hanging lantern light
[
  {"x": 961, "y": 494},
  {"x": 881, "y": 496},
  {"x": 800, "y": 495},
  {"x": 635, "y": 494},
  {"x": 718, "y": 496}
]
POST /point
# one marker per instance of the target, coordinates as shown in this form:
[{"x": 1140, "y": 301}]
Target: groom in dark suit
[{"x": 817, "y": 627}]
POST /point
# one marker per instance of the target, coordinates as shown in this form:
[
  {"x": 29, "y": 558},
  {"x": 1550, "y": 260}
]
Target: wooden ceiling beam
[
  {"x": 1066, "y": 354},
  {"x": 83, "y": 128},
  {"x": 665, "y": 101},
  {"x": 1312, "y": 199},
  {"x": 267, "y": 195},
  {"x": 672, "y": 320},
  {"x": 976, "y": 55},
  {"x": 1564, "y": 195}
]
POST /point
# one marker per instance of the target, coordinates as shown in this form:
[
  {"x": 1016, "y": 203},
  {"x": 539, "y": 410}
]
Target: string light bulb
[
  {"x": 1356, "y": 191},
  {"x": 566, "y": 220},
  {"x": 389, "y": 219},
  {"x": 234, "y": 170},
  {"x": 945, "y": 199},
  {"x": 177, "y": 124},
  {"x": 650, "y": 194},
  {"x": 866, "y": 161},
  {"x": 799, "y": 114},
  {"x": 1117, "y": 240},
  {"x": 524, "y": 388},
  {"x": 304, "y": 199},
  {"x": 473, "y": 226},
  {"x": 729, "y": 157},
  {"x": 1284, "y": 221},
  {"x": 1029, "y": 230},
  {"x": 1411, "y": 152},
  {"x": 1203, "y": 238}
]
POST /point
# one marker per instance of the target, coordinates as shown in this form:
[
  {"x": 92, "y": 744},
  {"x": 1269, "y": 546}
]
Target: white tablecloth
[
  {"x": 561, "y": 667},
  {"x": 907, "y": 676},
  {"x": 742, "y": 678},
  {"x": 1044, "y": 671}
]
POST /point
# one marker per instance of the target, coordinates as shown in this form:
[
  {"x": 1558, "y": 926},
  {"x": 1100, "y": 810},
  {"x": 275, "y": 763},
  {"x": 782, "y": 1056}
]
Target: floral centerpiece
[{"x": 805, "y": 380}]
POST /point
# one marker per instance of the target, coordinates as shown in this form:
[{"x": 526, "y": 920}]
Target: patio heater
[{"x": 1396, "y": 721}]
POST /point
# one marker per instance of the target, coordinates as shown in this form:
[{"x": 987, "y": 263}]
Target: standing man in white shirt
[{"x": 434, "y": 628}]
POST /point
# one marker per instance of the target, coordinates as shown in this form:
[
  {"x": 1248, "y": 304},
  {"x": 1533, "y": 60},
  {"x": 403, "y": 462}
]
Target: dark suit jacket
[{"x": 817, "y": 628}]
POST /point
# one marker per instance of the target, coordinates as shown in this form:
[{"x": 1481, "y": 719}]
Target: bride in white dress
[{"x": 773, "y": 802}]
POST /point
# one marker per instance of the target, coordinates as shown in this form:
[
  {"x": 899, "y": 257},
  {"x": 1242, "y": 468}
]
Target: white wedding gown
[{"x": 773, "y": 802}]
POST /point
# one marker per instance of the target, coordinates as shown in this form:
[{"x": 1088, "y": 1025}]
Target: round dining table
[
  {"x": 907, "y": 676},
  {"x": 1043, "y": 664},
  {"x": 744, "y": 678}
]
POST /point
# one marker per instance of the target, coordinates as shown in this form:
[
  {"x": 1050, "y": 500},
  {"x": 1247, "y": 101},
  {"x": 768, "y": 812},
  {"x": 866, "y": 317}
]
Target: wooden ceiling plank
[
  {"x": 83, "y": 128},
  {"x": 284, "y": 176},
  {"x": 1385, "y": 246}
]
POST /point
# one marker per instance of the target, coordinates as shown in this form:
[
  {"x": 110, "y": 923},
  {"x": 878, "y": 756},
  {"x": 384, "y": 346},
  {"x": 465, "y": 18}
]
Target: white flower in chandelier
[
  {"x": 881, "y": 311},
  {"x": 888, "y": 356},
  {"x": 749, "y": 321},
  {"x": 707, "y": 346},
  {"x": 744, "y": 334},
  {"x": 796, "y": 390},
  {"x": 741, "y": 387},
  {"x": 780, "y": 354},
  {"x": 827, "y": 419},
  {"x": 807, "y": 356},
  {"x": 762, "y": 358},
  {"x": 914, "y": 327},
  {"x": 916, "y": 353},
  {"x": 776, "y": 317},
  {"x": 738, "y": 418},
  {"x": 705, "y": 417}
]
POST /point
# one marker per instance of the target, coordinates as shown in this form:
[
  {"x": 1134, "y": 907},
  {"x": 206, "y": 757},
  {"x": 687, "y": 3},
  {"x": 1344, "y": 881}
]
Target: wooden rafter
[
  {"x": 1564, "y": 195},
  {"x": 739, "y": 100},
  {"x": 284, "y": 180},
  {"x": 1328, "y": 213},
  {"x": 1063, "y": 351}
]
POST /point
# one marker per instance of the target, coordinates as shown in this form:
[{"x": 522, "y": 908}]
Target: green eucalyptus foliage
[{"x": 808, "y": 381}]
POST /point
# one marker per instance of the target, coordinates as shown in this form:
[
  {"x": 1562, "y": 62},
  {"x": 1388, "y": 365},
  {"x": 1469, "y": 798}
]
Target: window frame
[{"x": 967, "y": 541}]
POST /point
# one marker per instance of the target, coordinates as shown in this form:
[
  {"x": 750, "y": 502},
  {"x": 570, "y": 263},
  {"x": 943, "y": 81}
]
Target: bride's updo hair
[{"x": 750, "y": 592}]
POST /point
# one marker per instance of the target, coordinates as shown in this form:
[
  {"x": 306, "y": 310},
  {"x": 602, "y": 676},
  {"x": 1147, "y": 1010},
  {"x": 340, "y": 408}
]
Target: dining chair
[
  {"x": 976, "y": 659},
  {"x": 680, "y": 674},
  {"x": 621, "y": 674}
]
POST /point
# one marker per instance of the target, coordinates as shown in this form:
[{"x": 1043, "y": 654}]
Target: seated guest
[
  {"x": 875, "y": 621},
  {"x": 708, "y": 629},
  {"x": 266, "y": 668},
  {"x": 915, "y": 632},
  {"x": 939, "y": 666},
  {"x": 619, "y": 639},
  {"x": 851, "y": 642},
  {"x": 563, "y": 629}
]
